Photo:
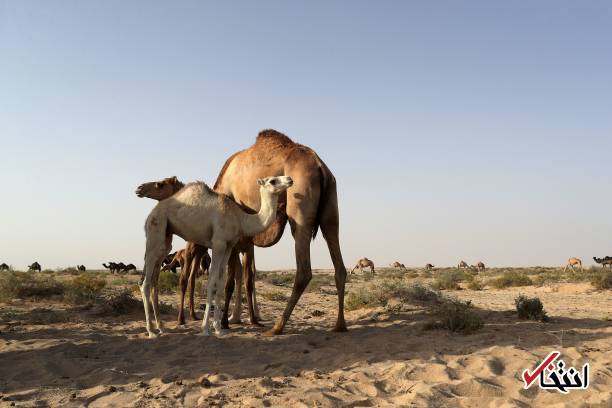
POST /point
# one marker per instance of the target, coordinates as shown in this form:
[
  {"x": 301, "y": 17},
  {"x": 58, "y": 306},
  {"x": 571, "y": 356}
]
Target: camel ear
[
  {"x": 261, "y": 182},
  {"x": 174, "y": 180},
  {"x": 158, "y": 185}
]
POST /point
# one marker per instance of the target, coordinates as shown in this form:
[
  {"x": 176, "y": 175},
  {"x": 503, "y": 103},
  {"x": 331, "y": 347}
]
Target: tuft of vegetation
[
  {"x": 510, "y": 279},
  {"x": 118, "y": 303},
  {"x": 379, "y": 294},
  {"x": 530, "y": 308},
  {"x": 602, "y": 280},
  {"x": 168, "y": 281},
  {"x": 449, "y": 280},
  {"x": 278, "y": 278},
  {"x": 84, "y": 288},
  {"x": 276, "y": 296},
  {"x": 475, "y": 284},
  {"x": 22, "y": 285},
  {"x": 319, "y": 280},
  {"x": 456, "y": 316}
]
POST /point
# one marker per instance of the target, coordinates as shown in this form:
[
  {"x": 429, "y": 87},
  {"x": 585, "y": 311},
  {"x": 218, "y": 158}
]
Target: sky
[{"x": 475, "y": 130}]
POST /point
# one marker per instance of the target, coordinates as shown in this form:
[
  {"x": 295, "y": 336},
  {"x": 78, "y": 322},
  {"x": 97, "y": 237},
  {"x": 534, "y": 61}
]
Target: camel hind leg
[
  {"x": 195, "y": 267},
  {"x": 156, "y": 250},
  {"x": 330, "y": 230},
  {"x": 214, "y": 273}
]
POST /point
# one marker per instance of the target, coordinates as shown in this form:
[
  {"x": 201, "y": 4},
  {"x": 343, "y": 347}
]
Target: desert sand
[{"x": 53, "y": 354}]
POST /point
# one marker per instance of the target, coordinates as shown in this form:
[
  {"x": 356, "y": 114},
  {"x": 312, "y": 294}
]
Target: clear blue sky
[{"x": 456, "y": 129}]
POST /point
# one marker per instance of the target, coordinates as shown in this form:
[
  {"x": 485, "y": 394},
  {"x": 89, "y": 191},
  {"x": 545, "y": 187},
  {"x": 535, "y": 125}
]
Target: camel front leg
[
  {"x": 214, "y": 273},
  {"x": 233, "y": 269},
  {"x": 234, "y": 285},
  {"x": 153, "y": 258},
  {"x": 220, "y": 309},
  {"x": 195, "y": 267},
  {"x": 303, "y": 275}
]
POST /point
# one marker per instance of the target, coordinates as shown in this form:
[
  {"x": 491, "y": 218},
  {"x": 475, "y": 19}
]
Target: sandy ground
[{"x": 55, "y": 355}]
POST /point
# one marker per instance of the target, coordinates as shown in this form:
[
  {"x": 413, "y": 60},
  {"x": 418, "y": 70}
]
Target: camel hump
[{"x": 273, "y": 136}]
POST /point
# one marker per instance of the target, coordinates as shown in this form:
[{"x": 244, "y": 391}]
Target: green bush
[
  {"x": 379, "y": 294},
  {"x": 168, "y": 281},
  {"x": 602, "y": 279},
  {"x": 448, "y": 280},
  {"x": 22, "y": 285},
  {"x": 475, "y": 284},
  {"x": 530, "y": 308},
  {"x": 456, "y": 316},
  {"x": 510, "y": 279},
  {"x": 84, "y": 288}
]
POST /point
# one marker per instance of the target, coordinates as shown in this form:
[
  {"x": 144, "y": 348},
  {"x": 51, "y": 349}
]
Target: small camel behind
[
  {"x": 429, "y": 267},
  {"x": 463, "y": 265},
  {"x": 572, "y": 262},
  {"x": 364, "y": 263},
  {"x": 398, "y": 265}
]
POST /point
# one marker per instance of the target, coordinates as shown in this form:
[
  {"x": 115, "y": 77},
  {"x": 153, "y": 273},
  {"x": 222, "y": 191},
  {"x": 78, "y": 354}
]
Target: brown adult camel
[
  {"x": 572, "y": 262},
  {"x": 311, "y": 203},
  {"x": 429, "y": 267},
  {"x": 463, "y": 264},
  {"x": 34, "y": 267},
  {"x": 364, "y": 263},
  {"x": 398, "y": 265},
  {"x": 480, "y": 266}
]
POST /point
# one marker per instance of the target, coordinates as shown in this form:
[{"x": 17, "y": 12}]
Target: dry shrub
[
  {"x": 449, "y": 280},
  {"x": 456, "y": 316},
  {"x": 275, "y": 296},
  {"x": 118, "y": 303},
  {"x": 278, "y": 278},
  {"x": 22, "y": 285},
  {"x": 511, "y": 279},
  {"x": 602, "y": 280},
  {"x": 84, "y": 288},
  {"x": 379, "y": 294},
  {"x": 168, "y": 281},
  {"x": 530, "y": 308}
]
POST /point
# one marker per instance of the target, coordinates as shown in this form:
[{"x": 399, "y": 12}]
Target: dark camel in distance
[
  {"x": 429, "y": 267},
  {"x": 4, "y": 267},
  {"x": 34, "y": 267},
  {"x": 606, "y": 260}
]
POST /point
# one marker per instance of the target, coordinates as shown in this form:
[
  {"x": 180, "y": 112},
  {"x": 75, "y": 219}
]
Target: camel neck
[{"x": 253, "y": 224}]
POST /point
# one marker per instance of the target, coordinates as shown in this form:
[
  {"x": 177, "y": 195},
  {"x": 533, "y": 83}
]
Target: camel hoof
[
  {"x": 235, "y": 320},
  {"x": 204, "y": 333},
  {"x": 340, "y": 328},
  {"x": 153, "y": 335},
  {"x": 256, "y": 324},
  {"x": 221, "y": 333},
  {"x": 272, "y": 332}
]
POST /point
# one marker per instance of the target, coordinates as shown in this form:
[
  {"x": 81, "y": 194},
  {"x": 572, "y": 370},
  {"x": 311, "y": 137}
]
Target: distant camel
[
  {"x": 4, "y": 267},
  {"x": 480, "y": 267},
  {"x": 429, "y": 267},
  {"x": 34, "y": 267},
  {"x": 168, "y": 260},
  {"x": 398, "y": 265},
  {"x": 112, "y": 267},
  {"x": 462, "y": 264},
  {"x": 128, "y": 267},
  {"x": 198, "y": 214},
  {"x": 81, "y": 268},
  {"x": 606, "y": 260},
  {"x": 364, "y": 263},
  {"x": 573, "y": 262}
]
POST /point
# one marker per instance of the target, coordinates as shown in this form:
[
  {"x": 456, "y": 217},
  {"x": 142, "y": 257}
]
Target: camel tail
[{"x": 324, "y": 181}]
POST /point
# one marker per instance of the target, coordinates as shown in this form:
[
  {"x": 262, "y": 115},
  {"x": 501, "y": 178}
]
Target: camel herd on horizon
[{"x": 258, "y": 191}]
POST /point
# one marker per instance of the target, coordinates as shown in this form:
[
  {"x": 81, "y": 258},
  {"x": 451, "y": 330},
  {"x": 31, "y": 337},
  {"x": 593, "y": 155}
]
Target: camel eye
[
  {"x": 157, "y": 185},
  {"x": 273, "y": 182}
]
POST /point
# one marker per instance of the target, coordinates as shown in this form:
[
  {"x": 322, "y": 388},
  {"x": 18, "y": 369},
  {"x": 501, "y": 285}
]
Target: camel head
[
  {"x": 159, "y": 190},
  {"x": 275, "y": 185}
]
